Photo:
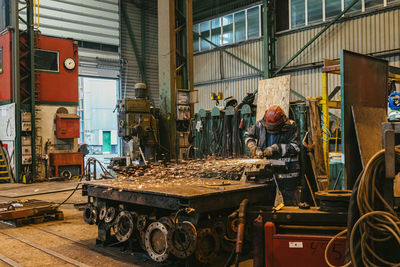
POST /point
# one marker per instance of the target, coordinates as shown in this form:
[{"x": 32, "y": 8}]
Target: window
[
  {"x": 240, "y": 26},
  {"x": 282, "y": 17},
  {"x": 295, "y": 13},
  {"x": 356, "y": 7},
  {"x": 333, "y": 8},
  {"x": 216, "y": 31},
  {"x": 227, "y": 28},
  {"x": 205, "y": 34},
  {"x": 195, "y": 38},
  {"x": 253, "y": 22},
  {"x": 372, "y": 3},
  {"x": 314, "y": 9},
  {"x": 298, "y": 13},
  {"x": 47, "y": 61},
  {"x": 4, "y": 14},
  {"x": 1, "y": 59}
]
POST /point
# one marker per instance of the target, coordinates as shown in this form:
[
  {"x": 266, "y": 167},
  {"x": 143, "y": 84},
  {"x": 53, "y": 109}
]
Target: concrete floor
[
  {"x": 71, "y": 238},
  {"x": 69, "y": 242}
]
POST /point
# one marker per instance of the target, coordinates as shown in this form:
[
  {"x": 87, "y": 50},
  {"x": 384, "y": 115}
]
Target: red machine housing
[
  {"x": 283, "y": 250},
  {"x": 6, "y": 68},
  {"x": 61, "y": 86},
  {"x": 67, "y": 126},
  {"x": 56, "y": 87}
]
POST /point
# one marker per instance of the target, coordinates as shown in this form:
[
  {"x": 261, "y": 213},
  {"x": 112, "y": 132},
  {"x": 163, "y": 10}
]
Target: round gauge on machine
[{"x": 69, "y": 63}]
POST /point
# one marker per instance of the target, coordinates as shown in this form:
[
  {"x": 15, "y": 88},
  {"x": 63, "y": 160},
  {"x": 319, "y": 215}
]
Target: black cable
[
  {"x": 89, "y": 161},
  {"x": 73, "y": 192},
  {"x": 228, "y": 262},
  {"x": 237, "y": 260}
]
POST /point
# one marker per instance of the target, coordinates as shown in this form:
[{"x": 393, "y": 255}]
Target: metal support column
[
  {"x": 175, "y": 63},
  {"x": 16, "y": 89},
  {"x": 24, "y": 94},
  {"x": 325, "y": 120},
  {"x": 268, "y": 37}
]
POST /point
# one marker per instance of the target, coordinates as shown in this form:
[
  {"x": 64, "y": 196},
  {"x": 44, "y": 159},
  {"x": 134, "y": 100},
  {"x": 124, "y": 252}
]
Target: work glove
[
  {"x": 254, "y": 150},
  {"x": 269, "y": 151}
]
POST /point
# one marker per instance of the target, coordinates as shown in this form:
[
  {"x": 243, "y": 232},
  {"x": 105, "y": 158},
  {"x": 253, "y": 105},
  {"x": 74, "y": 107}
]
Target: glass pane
[
  {"x": 195, "y": 38},
  {"x": 314, "y": 8},
  {"x": 216, "y": 31},
  {"x": 332, "y": 8},
  {"x": 227, "y": 23},
  {"x": 282, "y": 15},
  {"x": 298, "y": 13},
  {"x": 356, "y": 7},
  {"x": 253, "y": 22},
  {"x": 46, "y": 60},
  {"x": 205, "y": 33},
  {"x": 371, "y": 3},
  {"x": 3, "y": 14},
  {"x": 240, "y": 26}
]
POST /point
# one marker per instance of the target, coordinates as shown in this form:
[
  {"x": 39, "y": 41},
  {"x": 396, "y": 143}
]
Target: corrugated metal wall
[
  {"x": 130, "y": 73},
  {"x": 377, "y": 33},
  {"x": 95, "y": 21},
  {"x": 368, "y": 34},
  {"x": 216, "y": 71},
  {"x": 86, "y": 20}
]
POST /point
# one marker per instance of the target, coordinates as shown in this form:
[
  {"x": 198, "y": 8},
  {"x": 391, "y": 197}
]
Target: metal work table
[
  {"x": 297, "y": 216},
  {"x": 202, "y": 194}
]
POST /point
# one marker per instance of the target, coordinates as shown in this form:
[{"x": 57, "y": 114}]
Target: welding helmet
[{"x": 274, "y": 119}]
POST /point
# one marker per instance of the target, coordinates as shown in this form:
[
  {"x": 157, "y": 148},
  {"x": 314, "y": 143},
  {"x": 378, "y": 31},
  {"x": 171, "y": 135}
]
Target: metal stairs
[{"x": 5, "y": 174}]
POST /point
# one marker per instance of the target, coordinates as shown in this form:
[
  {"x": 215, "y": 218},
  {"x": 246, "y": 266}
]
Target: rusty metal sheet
[
  {"x": 363, "y": 82},
  {"x": 368, "y": 122},
  {"x": 30, "y": 208}
]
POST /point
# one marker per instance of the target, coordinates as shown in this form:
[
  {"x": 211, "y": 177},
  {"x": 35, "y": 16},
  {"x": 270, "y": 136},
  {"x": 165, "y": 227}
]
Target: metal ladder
[{"x": 5, "y": 174}]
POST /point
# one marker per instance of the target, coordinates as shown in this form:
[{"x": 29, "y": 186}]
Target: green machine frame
[{"x": 23, "y": 48}]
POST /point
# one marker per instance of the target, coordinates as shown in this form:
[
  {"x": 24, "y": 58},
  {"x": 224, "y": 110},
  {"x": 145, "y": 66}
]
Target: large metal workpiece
[
  {"x": 175, "y": 211},
  {"x": 201, "y": 194}
]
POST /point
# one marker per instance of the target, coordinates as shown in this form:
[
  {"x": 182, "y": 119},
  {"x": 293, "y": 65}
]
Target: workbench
[{"x": 202, "y": 194}]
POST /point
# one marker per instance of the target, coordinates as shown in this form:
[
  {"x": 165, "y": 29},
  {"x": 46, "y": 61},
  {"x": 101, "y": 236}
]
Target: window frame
[
  {"x": 324, "y": 18},
  {"x": 58, "y": 61},
  {"x": 234, "y": 41}
]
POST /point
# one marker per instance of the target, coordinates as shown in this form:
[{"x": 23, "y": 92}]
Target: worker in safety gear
[{"x": 275, "y": 137}]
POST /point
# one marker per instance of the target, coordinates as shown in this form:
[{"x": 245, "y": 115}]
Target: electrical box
[
  {"x": 26, "y": 140},
  {"x": 26, "y": 150},
  {"x": 67, "y": 126},
  {"x": 183, "y": 138}
]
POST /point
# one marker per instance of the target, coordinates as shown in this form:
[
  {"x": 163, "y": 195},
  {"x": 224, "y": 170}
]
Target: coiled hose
[{"x": 375, "y": 226}]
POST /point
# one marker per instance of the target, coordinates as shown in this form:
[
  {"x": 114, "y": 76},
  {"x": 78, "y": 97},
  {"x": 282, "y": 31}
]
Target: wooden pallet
[{"x": 32, "y": 212}]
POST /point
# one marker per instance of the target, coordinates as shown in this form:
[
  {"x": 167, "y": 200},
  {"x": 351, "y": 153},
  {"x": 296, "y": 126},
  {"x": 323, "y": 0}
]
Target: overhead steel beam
[{"x": 315, "y": 37}]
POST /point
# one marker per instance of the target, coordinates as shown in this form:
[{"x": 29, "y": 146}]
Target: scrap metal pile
[
  {"x": 228, "y": 169},
  {"x": 184, "y": 233}
]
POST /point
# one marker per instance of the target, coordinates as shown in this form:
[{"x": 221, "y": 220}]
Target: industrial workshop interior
[{"x": 218, "y": 133}]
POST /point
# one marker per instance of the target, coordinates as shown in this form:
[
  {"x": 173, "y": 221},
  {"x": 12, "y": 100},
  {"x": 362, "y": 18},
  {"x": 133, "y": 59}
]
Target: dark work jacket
[{"x": 287, "y": 140}]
